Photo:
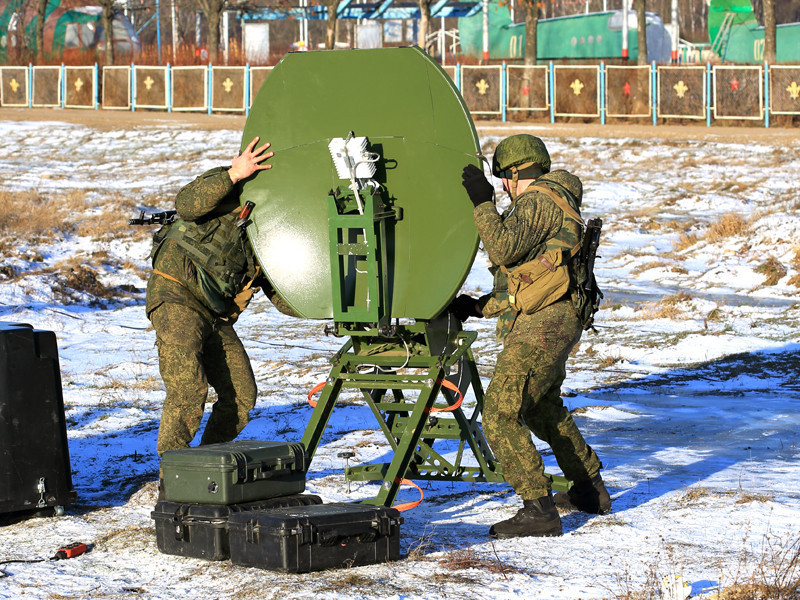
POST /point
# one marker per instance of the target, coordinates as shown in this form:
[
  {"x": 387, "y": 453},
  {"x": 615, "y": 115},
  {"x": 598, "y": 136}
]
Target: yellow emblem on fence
[
  {"x": 794, "y": 90},
  {"x": 14, "y": 85},
  {"x": 228, "y": 85},
  {"x": 482, "y": 87},
  {"x": 576, "y": 86},
  {"x": 78, "y": 84},
  {"x": 148, "y": 83},
  {"x": 680, "y": 88}
]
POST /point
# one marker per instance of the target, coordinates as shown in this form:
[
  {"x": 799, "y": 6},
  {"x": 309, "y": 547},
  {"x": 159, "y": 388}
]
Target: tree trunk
[
  {"x": 108, "y": 28},
  {"x": 330, "y": 31},
  {"x": 41, "y": 14},
  {"x": 641, "y": 32},
  {"x": 769, "y": 31},
  {"x": 531, "y": 24},
  {"x": 424, "y": 20},
  {"x": 213, "y": 35}
]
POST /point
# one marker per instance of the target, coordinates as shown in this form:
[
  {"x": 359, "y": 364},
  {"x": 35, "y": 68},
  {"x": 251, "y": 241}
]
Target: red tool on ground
[{"x": 70, "y": 551}]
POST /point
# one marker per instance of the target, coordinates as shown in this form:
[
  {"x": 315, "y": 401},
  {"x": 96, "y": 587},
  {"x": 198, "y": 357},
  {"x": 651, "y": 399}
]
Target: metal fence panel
[
  {"x": 577, "y": 91},
  {"x": 227, "y": 89},
  {"x": 681, "y": 92},
  {"x": 46, "y": 86},
  {"x": 150, "y": 87},
  {"x": 189, "y": 88},
  {"x": 738, "y": 92},
  {"x": 117, "y": 88},
  {"x": 784, "y": 89},
  {"x": 527, "y": 88},
  {"x": 451, "y": 73},
  {"x": 14, "y": 86},
  {"x": 481, "y": 89},
  {"x": 629, "y": 91},
  {"x": 257, "y": 77},
  {"x": 80, "y": 88}
]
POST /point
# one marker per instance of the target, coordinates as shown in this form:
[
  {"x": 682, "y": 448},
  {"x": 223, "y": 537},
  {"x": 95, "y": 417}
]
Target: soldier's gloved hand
[
  {"x": 478, "y": 188},
  {"x": 464, "y": 307}
]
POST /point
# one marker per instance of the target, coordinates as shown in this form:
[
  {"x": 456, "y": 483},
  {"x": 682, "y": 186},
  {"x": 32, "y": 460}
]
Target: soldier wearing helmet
[{"x": 524, "y": 393}]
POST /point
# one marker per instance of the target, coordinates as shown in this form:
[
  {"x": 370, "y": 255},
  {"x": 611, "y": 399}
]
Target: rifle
[
  {"x": 159, "y": 218},
  {"x": 591, "y": 240}
]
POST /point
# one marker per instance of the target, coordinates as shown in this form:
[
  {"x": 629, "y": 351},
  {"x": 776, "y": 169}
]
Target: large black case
[
  {"x": 35, "y": 469},
  {"x": 201, "y": 530},
  {"x": 312, "y": 538}
]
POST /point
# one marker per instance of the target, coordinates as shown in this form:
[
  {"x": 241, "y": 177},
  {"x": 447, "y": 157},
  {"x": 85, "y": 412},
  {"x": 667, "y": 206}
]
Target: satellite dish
[{"x": 415, "y": 121}]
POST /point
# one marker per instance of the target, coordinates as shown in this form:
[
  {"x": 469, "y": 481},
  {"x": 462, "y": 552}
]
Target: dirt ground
[{"x": 112, "y": 119}]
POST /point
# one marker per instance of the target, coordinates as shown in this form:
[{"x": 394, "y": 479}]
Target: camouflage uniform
[
  {"x": 197, "y": 344},
  {"x": 524, "y": 393}
]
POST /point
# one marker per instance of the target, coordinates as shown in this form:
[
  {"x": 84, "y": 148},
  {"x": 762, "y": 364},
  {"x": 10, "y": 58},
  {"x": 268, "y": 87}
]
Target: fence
[{"x": 704, "y": 92}]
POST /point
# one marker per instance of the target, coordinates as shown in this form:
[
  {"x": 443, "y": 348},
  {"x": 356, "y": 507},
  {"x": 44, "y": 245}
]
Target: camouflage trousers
[
  {"x": 192, "y": 354},
  {"x": 524, "y": 396}
]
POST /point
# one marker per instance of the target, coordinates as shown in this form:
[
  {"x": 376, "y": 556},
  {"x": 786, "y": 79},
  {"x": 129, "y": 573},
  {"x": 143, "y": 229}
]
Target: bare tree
[
  {"x": 41, "y": 14},
  {"x": 424, "y": 20},
  {"x": 769, "y": 31},
  {"x": 330, "y": 29},
  {"x": 641, "y": 31},
  {"x": 531, "y": 25},
  {"x": 108, "y": 27},
  {"x": 212, "y": 9}
]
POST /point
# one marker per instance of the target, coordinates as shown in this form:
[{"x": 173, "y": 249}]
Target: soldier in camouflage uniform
[
  {"x": 204, "y": 275},
  {"x": 524, "y": 393}
]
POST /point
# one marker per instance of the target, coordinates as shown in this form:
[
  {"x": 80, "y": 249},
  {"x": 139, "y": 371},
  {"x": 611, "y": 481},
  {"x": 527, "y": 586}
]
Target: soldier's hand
[
  {"x": 478, "y": 188},
  {"x": 249, "y": 161},
  {"x": 465, "y": 307}
]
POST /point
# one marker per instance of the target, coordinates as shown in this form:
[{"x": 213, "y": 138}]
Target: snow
[{"x": 688, "y": 391}]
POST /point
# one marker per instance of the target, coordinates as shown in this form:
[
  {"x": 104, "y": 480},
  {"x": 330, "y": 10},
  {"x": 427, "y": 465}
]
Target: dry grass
[
  {"x": 725, "y": 227},
  {"x": 772, "y": 269},
  {"x": 669, "y": 307}
]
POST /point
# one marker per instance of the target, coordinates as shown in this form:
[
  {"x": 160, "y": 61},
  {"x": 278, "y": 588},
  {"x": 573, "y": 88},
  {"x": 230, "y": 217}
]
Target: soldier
[
  {"x": 524, "y": 393},
  {"x": 204, "y": 275}
]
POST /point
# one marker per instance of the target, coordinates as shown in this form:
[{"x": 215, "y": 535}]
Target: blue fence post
[
  {"x": 602, "y": 93},
  {"x": 247, "y": 90},
  {"x": 169, "y": 87},
  {"x": 708, "y": 94},
  {"x": 63, "y": 86},
  {"x": 29, "y": 91},
  {"x": 552, "y": 79},
  {"x": 458, "y": 77},
  {"x": 95, "y": 86},
  {"x": 503, "y": 86},
  {"x": 210, "y": 87},
  {"x": 766, "y": 94},
  {"x": 133, "y": 87},
  {"x": 654, "y": 92}
]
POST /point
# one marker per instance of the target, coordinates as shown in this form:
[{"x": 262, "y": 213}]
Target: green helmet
[{"x": 520, "y": 151}]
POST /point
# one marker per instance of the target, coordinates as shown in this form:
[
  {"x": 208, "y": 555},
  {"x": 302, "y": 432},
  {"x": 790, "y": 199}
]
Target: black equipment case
[
  {"x": 313, "y": 538},
  {"x": 234, "y": 472},
  {"x": 201, "y": 530},
  {"x": 35, "y": 472}
]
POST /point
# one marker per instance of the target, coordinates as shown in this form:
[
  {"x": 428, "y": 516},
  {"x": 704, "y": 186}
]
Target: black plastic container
[
  {"x": 201, "y": 530},
  {"x": 313, "y": 538},
  {"x": 35, "y": 473}
]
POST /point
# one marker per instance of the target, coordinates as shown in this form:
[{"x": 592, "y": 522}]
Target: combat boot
[
  {"x": 589, "y": 496},
  {"x": 538, "y": 518}
]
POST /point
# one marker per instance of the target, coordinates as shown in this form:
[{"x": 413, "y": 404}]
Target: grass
[
  {"x": 725, "y": 227},
  {"x": 772, "y": 270}
]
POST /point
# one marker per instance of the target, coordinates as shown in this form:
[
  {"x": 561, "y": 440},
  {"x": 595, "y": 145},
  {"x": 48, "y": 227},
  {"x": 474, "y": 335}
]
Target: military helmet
[{"x": 520, "y": 151}]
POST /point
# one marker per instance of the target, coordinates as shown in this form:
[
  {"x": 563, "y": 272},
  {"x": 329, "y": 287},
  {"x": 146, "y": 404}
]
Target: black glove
[
  {"x": 474, "y": 181},
  {"x": 465, "y": 307}
]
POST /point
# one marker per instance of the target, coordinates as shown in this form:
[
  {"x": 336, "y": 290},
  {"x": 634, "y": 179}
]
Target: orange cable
[
  {"x": 409, "y": 505},
  {"x": 313, "y": 391},
  {"x": 450, "y": 386}
]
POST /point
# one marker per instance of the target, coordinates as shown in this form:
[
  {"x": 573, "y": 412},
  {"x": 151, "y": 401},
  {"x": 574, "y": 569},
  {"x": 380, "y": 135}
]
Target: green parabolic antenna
[{"x": 414, "y": 117}]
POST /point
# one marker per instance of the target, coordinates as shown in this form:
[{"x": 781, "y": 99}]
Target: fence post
[
  {"x": 95, "y": 86},
  {"x": 654, "y": 92},
  {"x": 133, "y": 87},
  {"x": 63, "y": 85},
  {"x": 210, "y": 87},
  {"x": 168, "y": 83},
  {"x": 458, "y": 77},
  {"x": 29, "y": 91},
  {"x": 503, "y": 86},
  {"x": 552, "y": 79},
  {"x": 708, "y": 94},
  {"x": 766, "y": 94},
  {"x": 602, "y": 93}
]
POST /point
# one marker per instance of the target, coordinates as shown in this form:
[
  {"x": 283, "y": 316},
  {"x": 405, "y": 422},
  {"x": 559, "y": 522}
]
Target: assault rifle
[
  {"x": 588, "y": 253},
  {"x": 159, "y": 218}
]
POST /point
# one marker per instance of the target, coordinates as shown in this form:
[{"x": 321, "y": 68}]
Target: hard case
[
  {"x": 312, "y": 538},
  {"x": 35, "y": 472},
  {"x": 201, "y": 530},
  {"x": 234, "y": 472}
]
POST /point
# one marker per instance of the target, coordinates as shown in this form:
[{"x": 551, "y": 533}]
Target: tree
[
  {"x": 424, "y": 20},
  {"x": 108, "y": 28},
  {"x": 531, "y": 25},
  {"x": 330, "y": 29},
  {"x": 41, "y": 15},
  {"x": 769, "y": 31},
  {"x": 212, "y": 9},
  {"x": 641, "y": 31}
]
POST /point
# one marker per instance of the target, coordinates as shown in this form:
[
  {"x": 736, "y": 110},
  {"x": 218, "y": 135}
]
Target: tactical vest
[{"x": 218, "y": 248}]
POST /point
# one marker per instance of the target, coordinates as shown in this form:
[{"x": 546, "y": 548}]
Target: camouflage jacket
[
  {"x": 175, "y": 276},
  {"x": 525, "y": 230}
]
